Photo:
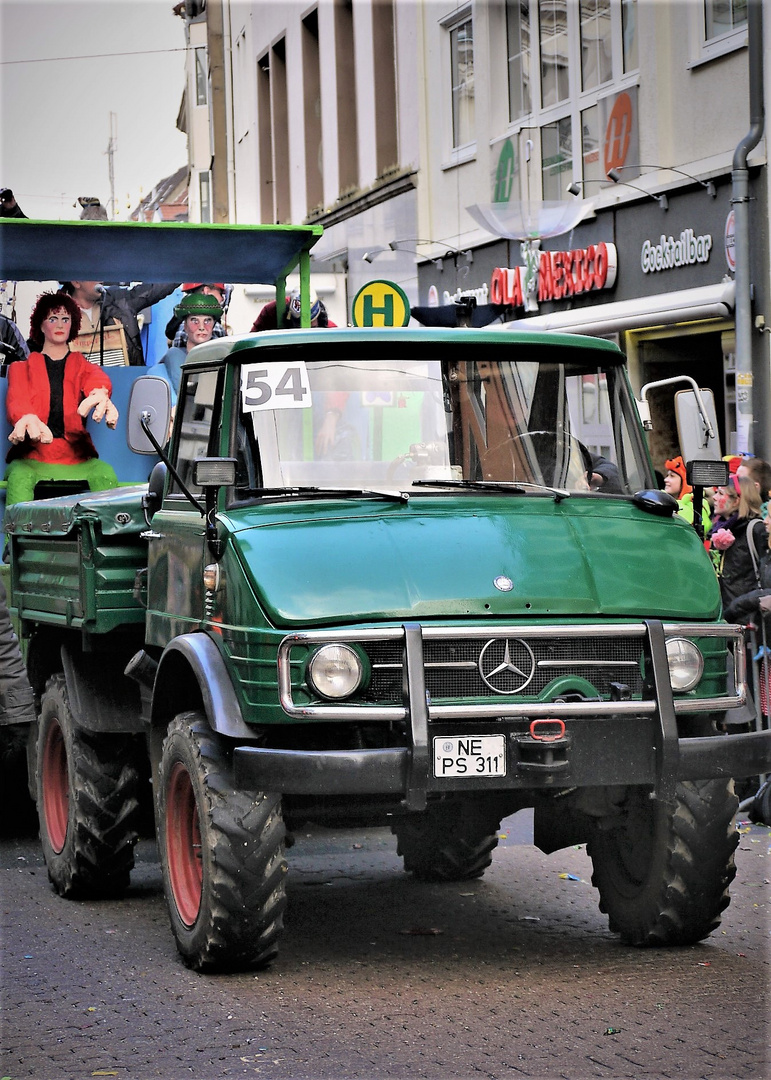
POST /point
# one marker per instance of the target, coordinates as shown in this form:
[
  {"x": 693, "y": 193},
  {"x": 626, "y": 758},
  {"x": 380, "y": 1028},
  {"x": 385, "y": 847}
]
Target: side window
[{"x": 198, "y": 400}]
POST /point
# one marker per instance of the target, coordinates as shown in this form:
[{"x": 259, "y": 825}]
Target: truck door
[{"x": 177, "y": 545}]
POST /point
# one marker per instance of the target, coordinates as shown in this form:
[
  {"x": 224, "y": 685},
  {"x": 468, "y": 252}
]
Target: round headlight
[
  {"x": 685, "y": 663},
  {"x": 335, "y": 671}
]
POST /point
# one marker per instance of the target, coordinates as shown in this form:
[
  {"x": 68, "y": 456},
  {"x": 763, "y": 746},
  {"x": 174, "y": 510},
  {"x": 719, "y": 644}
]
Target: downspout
[{"x": 740, "y": 204}]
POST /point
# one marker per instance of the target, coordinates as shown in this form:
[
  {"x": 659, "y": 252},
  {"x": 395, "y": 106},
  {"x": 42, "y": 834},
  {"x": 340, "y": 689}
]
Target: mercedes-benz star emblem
[{"x": 507, "y": 665}]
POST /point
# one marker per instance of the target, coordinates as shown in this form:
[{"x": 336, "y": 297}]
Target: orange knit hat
[{"x": 677, "y": 465}]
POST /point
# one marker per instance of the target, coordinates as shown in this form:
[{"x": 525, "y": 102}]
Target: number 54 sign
[{"x": 275, "y": 385}]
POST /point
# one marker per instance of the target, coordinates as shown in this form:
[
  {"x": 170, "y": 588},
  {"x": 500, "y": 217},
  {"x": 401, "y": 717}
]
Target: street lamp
[
  {"x": 575, "y": 189},
  {"x": 708, "y": 184}
]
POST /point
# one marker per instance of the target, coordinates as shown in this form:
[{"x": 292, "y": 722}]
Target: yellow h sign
[{"x": 380, "y": 303}]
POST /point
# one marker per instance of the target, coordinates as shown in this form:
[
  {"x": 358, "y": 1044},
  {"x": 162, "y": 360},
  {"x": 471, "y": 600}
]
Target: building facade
[{"x": 467, "y": 149}]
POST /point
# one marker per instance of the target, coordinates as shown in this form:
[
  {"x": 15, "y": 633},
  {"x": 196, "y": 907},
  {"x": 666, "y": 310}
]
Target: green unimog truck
[{"x": 388, "y": 577}]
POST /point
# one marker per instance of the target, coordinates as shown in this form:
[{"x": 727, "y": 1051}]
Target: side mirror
[
  {"x": 696, "y": 441},
  {"x": 150, "y": 400},
  {"x": 655, "y": 502}
]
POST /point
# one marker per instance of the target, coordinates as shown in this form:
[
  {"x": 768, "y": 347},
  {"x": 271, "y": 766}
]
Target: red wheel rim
[
  {"x": 183, "y": 844},
  {"x": 56, "y": 787}
]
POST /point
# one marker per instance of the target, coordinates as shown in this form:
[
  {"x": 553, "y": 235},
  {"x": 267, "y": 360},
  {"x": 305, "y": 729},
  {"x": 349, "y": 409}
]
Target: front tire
[
  {"x": 87, "y": 799},
  {"x": 222, "y": 854},
  {"x": 447, "y": 842},
  {"x": 663, "y": 872}
]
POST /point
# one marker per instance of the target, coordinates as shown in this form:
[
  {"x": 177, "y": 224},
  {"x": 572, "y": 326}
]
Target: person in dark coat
[
  {"x": 736, "y": 538},
  {"x": 12, "y": 338},
  {"x": 751, "y": 606},
  {"x": 102, "y": 306}
]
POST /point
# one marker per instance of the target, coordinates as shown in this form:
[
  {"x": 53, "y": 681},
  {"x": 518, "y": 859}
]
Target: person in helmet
[
  {"x": 267, "y": 320},
  {"x": 198, "y": 314}
]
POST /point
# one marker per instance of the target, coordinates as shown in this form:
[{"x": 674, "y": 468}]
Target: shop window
[
  {"x": 347, "y": 133},
  {"x": 596, "y": 59},
  {"x": 717, "y": 27},
  {"x": 201, "y": 77},
  {"x": 265, "y": 139},
  {"x": 314, "y": 165},
  {"x": 629, "y": 35},
  {"x": 204, "y": 193},
  {"x": 568, "y": 63},
  {"x": 462, "y": 81},
  {"x": 518, "y": 55},
  {"x": 591, "y": 149},
  {"x": 723, "y": 16},
  {"x": 555, "y": 68},
  {"x": 556, "y": 157}
]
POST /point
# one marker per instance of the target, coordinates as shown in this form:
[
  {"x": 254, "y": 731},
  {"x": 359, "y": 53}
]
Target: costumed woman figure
[{"x": 49, "y": 397}]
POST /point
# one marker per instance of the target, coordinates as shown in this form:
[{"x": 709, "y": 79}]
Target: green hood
[{"x": 344, "y": 562}]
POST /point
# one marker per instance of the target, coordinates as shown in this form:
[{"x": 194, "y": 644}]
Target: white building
[{"x": 386, "y": 120}]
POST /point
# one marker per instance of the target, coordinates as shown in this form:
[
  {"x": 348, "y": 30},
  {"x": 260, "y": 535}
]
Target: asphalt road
[{"x": 514, "y": 975}]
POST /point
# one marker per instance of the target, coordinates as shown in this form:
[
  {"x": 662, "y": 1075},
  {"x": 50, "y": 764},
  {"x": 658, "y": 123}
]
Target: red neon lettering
[
  {"x": 516, "y": 287},
  {"x": 559, "y": 275},
  {"x": 601, "y": 266},
  {"x": 496, "y": 285},
  {"x": 545, "y": 277},
  {"x": 579, "y": 270}
]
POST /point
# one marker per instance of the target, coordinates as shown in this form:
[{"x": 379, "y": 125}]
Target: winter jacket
[
  {"x": 17, "y": 702},
  {"x": 124, "y": 305},
  {"x": 737, "y": 571},
  {"x": 744, "y": 608},
  {"x": 11, "y": 336},
  {"x": 29, "y": 392}
]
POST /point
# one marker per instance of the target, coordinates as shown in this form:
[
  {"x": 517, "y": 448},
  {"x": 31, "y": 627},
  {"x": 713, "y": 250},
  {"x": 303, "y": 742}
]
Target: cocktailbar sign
[{"x": 560, "y": 274}]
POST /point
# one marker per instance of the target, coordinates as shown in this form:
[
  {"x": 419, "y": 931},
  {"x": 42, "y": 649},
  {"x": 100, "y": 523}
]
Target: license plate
[{"x": 477, "y": 755}]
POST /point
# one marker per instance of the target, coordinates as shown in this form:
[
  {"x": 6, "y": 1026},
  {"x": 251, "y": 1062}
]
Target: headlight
[
  {"x": 685, "y": 663},
  {"x": 335, "y": 671}
]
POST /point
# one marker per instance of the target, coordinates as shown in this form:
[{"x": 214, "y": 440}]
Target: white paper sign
[{"x": 275, "y": 385}]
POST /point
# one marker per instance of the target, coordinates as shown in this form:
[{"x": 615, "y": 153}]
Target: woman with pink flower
[{"x": 737, "y": 508}]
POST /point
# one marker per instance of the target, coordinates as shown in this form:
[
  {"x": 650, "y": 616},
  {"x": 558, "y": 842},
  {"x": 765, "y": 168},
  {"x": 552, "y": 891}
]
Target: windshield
[{"x": 386, "y": 423}]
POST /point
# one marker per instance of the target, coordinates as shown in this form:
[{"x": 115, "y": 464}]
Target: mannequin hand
[
  {"x": 32, "y": 426},
  {"x": 99, "y": 401}
]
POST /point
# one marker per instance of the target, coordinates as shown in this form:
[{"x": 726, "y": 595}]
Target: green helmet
[{"x": 198, "y": 304}]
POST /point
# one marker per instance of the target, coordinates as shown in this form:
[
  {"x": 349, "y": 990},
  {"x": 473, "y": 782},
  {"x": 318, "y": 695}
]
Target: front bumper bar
[{"x": 612, "y": 742}]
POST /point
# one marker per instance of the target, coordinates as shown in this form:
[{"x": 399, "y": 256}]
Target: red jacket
[{"x": 29, "y": 392}]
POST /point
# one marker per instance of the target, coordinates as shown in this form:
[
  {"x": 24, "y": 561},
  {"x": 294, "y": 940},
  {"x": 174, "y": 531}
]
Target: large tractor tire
[
  {"x": 447, "y": 842},
  {"x": 87, "y": 800},
  {"x": 663, "y": 872},
  {"x": 222, "y": 854}
]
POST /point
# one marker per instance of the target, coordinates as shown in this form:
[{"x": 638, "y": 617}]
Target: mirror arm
[
  {"x": 144, "y": 422},
  {"x": 709, "y": 431}
]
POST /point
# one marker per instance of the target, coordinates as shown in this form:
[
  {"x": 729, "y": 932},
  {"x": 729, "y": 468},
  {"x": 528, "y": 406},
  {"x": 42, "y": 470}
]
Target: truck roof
[{"x": 569, "y": 345}]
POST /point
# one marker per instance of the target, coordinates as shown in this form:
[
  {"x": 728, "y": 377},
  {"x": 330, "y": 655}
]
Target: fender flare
[{"x": 198, "y": 654}]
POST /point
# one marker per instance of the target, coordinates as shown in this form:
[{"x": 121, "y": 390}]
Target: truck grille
[{"x": 507, "y": 666}]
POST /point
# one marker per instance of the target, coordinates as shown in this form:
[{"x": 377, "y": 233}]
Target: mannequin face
[
  {"x": 198, "y": 328},
  {"x": 56, "y": 327}
]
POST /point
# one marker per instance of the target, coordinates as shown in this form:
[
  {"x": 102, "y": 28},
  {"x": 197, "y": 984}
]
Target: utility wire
[{"x": 92, "y": 56}]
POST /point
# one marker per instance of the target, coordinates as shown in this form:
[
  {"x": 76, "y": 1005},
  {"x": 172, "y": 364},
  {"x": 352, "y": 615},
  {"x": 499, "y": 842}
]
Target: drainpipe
[{"x": 740, "y": 204}]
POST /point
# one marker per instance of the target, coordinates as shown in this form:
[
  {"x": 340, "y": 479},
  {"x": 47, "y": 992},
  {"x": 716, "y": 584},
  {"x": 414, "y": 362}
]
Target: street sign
[{"x": 380, "y": 303}]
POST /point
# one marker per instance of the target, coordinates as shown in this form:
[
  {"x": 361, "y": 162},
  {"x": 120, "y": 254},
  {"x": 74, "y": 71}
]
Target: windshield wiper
[
  {"x": 514, "y": 487},
  {"x": 325, "y": 492}
]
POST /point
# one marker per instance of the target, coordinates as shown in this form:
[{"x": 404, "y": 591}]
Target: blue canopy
[{"x": 148, "y": 251}]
